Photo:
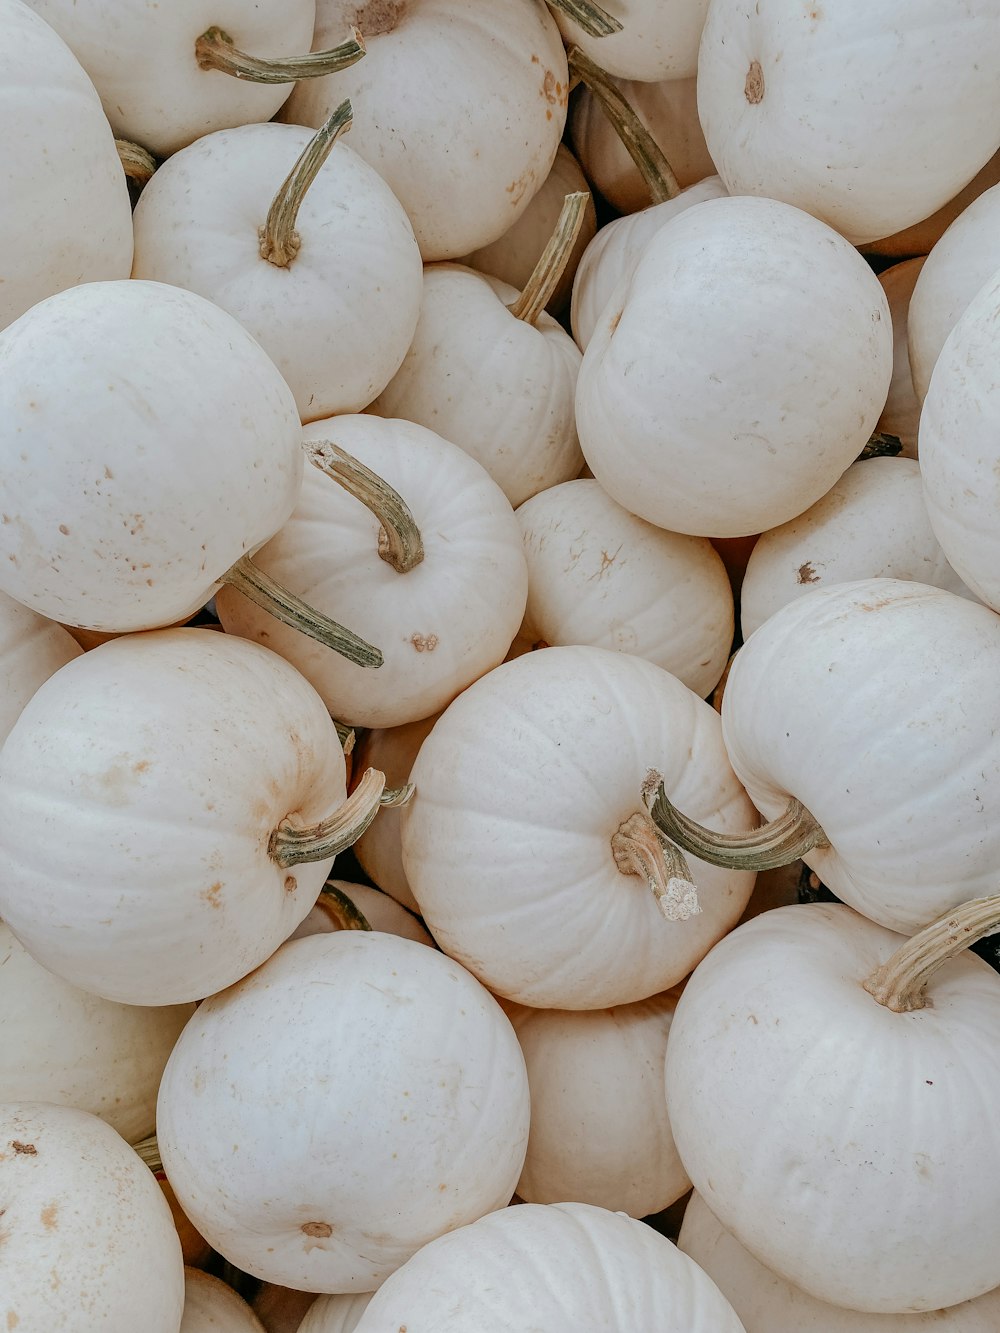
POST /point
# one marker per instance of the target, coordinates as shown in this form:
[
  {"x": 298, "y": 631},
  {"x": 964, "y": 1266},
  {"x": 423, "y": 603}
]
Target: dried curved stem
[
  {"x": 279, "y": 241},
  {"x": 138, "y": 163},
  {"x": 545, "y": 275},
  {"x": 639, "y": 850},
  {"x": 291, "y": 846},
  {"x": 654, "y": 168},
  {"x": 214, "y": 49},
  {"x": 265, "y": 592},
  {"x": 399, "y": 540},
  {"x": 899, "y": 984},
  {"x": 342, "y": 910},
  {"x": 595, "y": 21}
]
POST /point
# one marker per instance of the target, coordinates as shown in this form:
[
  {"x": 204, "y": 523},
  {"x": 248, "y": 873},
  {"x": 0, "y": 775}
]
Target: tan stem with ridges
[
  {"x": 399, "y": 540},
  {"x": 595, "y": 21},
  {"x": 899, "y": 984},
  {"x": 279, "y": 241},
  {"x": 214, "y": 49},
  {"x": 149, "y": 1151},
  {"x": 638, "y": 850},
  {"x": 654, "y": 168},
  {"x": 138, "y": 163},
  {"x": 266, "y": 593},
  {"x": 341, "y": 909},
  {"x": 547, "y": 272},
  {"x": 777, "y": 843},
  {"x": 290, "y": 846}
]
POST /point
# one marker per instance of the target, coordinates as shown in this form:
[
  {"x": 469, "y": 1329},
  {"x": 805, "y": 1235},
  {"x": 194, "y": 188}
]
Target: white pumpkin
[
  {"x": 334, "y": 311},
  {"x": 598, "y": 575},
  {"x": 832, "y": 1117},
  {"x": 340, "y": 903},
  {"x": 60, "y": 1044},
  {"x": 58, "y": 161},
  {"x": 442, "y": 619},
  {"x": 486, "y": 82},
  {"x": 960, "y": 446},
  {"x": 500, "y": 387},
  {"x": 87, "y": 1238},
  {"x": 527, "y": 843},
  {"x": 655, "y": 41},
  {"x": 872, "y": 523},
  {"x": 562, "y": 1268},
  {"x": 668, "y": 109},
  {"x": 901, "y": 413},
  {"x": 141, "y": 794},
  {"x": 599, "y": 1128},
  {"x": 211, "y": 1306},
  {"x": 768, "y": 1304},
  {"x": 962, "y": 261},
  {"x": 334, "y": 1314},
  {"x": 388, "y": 1113},
  {"x": 31, "y": 649},
  {"x": 869, "y": 119},
  {"x": 711, "y": 399}
]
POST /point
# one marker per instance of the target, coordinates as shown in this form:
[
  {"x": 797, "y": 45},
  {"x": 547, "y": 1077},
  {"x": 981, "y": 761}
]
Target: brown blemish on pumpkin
[
  {"x": 64, "y": 529},
  {"x": 516, "y": 189},
  {"x": 291, "y": 883},
  {"x": 141, "y": 766},
  {"x": 319, "y": 1229},
  {"x": 806, "y": 573},
  {"x": 211, "y": 895},
  {"x": 24, "y": 1149},
  {"x": 615, "y": 321},
  {"x": 48, "y": 1215},
  {"x": 379, "y": 16},
  {"x": 550, "y": 87},
  {"x": 754, "y": 86},
  {"x": 12, "y": 1319},
  {"x": 424, "y": 643}
]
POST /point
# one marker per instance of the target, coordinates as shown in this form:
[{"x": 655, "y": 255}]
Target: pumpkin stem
[
  {"x": 290, "y": 846},
  {"x": 347, "y": 736},
  {"x": 279, "y": 241},
  {"x": 900, "y": 982},
  {"x": 214, "y": 49},
  {"x": 642, "y": 148},
  {"x": 881, "y": 445},
  {"x": 137, "y": 162},
  {"x": 639, "y": 850},
  {"x": 342, "y": 910},
  {"x": 595, "y": 21},
  {"x": 399, "y": 540},
  {"x": 545, "y": 276},
  {"x": 777, "y": 843},
  {"x": 265, "y": 592},
  {"x": 149, "y": 1151}
]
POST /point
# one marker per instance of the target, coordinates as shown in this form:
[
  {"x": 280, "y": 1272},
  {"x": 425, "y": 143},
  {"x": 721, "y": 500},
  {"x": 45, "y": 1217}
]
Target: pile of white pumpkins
[{"x": 464, "y": 592}]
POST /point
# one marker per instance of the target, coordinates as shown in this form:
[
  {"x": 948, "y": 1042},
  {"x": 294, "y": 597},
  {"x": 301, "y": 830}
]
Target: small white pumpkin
[
  {"x": 88, "y": 1242},
  {"x": 655, "y": 40},
  {"x": 334, "y": 1314},
  {"x": 392, "y": 1107},
  {"x": 559, "y": 1267},
  {"x": 901, "y": 413},
  {"x": 598, "y": 575},
  {"x": 31, "y": 649},
  {"x": 211, "y": 1306}
]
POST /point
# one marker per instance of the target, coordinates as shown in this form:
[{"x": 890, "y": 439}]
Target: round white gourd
[
  {"x": 962, "y": 261},
  {"x": 334, "y": 1314},
  {"x": 901, "y": 414},
  {"x": 560, "y": 1267},
  {"x": 440, "y": 624},
  {"x": 63, "y": 1045},
  {"x": 871, "y": 703},
  {"x": 767, "y": 1303},
  {"x": 872, "y": 523},
  {"x": 487, "y": 83},
  {"x": 379, "y": 910},
  {"x": 392, "y": 1107},
  {"x": 598, "y": 575},
  {"x": 88, "y": 1241},
  {"x": 599, "y": 1128},
  {"x": 31, "y": 649},
  {"x": 337, "y": 316},
  {"x": 711, "y": 399},
  {"x": 72, "y": 221},
  {"x": 960, "y": 446},
  {"x": 656, "y": 41},
  {"x": 175, "y": 441},
  {"x": 139, "y": 793},
  {"x": 498, "y": 386},
  {"x": 788, "y": 1083},
  {"x": 869, "y": 120},
  {"x": 527, "y": 839},
  {"x": 211, "y": 1306}
]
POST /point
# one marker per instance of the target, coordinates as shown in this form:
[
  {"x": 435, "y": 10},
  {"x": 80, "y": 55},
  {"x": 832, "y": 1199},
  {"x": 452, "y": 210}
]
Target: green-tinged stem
[
  {"x": 777, "y": 843},
  {"x": 137, "y": 162},
  {"x": 265, "y": 592},
  {"x": 347, "y": 736},
  {"x": 595, "y": 21},
  {"x": 279, "y": 241},
  {"x": 214, "y": 49},
  {"x": 341, "y": 909},
  {"x": 399, "y": 540},
  {"x": 881, "y": 445},
  {"x": 642, "y": 148},
  {"x": 292, "y": 846},
  {"x": 149, "y": 1151},
  {"x": 556, "y": 255},
  {"x": 901, "y": 981},
  {"x": 638, "y": 850}
]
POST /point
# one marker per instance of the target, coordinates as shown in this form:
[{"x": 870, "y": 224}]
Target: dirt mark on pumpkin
[
  {"x": 424, "y": 643},
  {"x": 806, "y": 573}
]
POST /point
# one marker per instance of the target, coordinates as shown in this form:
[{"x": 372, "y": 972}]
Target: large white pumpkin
[{"x": 31, "y": 649}]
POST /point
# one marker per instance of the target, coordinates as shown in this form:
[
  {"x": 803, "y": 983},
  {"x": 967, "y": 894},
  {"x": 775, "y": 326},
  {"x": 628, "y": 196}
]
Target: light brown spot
[
  {"x": 320, "y": 1229},
  {"x": 211, "y": 895},
  {"x": 806, "y": 574},
  {"x": 424, "y": 643},
  {"x": 64, "y": 529},
  {"x": 379, "y": 16},
  {"x": 615, "y": 321},
  {"x": 550, "y": 89},
  {"x": 754, "y": 86},
  {"x": 12, "y": 1319},
  {"x": 291, "y": 883},
  {"x": 48, "y": 1215},
  {"x": 24, "y": 1149}
]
